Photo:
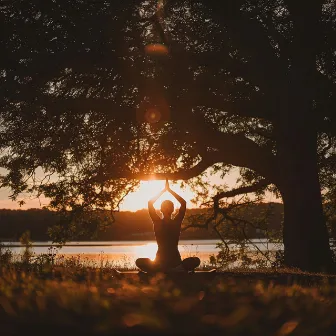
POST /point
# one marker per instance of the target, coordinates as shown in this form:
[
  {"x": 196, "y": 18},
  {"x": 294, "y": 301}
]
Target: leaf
[{"x": 287, "y": 328}]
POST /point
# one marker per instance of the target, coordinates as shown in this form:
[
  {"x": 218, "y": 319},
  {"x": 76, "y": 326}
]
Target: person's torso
[{"x": 167, "y": 235}]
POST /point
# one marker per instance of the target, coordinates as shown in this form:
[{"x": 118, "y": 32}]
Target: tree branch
[
  {"x": 245, "y": 108},
  {"x": 58, "y": 105},
  {"x": 235, "y": 149},
  {"x": 243, "y": 190},
  {"x": 184, "y": 174}
]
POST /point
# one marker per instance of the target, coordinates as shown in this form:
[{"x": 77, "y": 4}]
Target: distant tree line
[{"x": 127, "y": 226}]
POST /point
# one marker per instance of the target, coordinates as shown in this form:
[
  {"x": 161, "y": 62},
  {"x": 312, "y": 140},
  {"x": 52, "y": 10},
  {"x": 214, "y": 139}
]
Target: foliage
[
  {"x": 26, "y": 242},
  {"x": 88, "y": 105},
  {"x": 79, "y": 223},
  {"x": 6, "y": 255},
  {"x": 241, "y": 224},
  {"x": 101, "y": 305}
]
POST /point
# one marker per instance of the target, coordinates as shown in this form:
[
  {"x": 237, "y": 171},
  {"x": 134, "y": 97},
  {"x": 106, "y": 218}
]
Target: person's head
[{"x": 167, "y": 208}]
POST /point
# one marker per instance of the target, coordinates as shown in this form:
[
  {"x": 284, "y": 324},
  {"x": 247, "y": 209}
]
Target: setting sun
[{"x": 148, "y": 189}]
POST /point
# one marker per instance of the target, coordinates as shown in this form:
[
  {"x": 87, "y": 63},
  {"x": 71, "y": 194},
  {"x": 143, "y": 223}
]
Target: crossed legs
[{"x": 149, "y": 266}]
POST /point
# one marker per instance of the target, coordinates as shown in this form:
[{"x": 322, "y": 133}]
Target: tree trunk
[
  {"x": 305, "y": 233},
  {"x": 306, "y": 239}
]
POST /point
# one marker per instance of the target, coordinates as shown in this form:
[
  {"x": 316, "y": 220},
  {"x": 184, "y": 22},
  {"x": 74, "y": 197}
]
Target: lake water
[{"x": 125, "y": 252}]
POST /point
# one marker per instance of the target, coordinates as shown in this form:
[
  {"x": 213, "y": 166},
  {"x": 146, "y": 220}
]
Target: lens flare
[
  {"x": 152, "y": 115},
  {"x": 156, "y": 49}
]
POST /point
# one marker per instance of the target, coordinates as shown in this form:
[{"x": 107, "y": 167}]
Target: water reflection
[
  {"x": 146, "y": 251},
  {"x": 127, "y": 251}
]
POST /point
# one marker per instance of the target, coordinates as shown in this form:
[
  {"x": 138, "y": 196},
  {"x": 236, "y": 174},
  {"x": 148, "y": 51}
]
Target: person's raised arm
[
  {"x": 181, "y": 200},
  {"x": 152, "y": 213}
]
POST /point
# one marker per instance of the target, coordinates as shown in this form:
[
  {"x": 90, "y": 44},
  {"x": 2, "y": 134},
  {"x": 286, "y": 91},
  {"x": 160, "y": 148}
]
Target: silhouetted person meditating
[{"x": 167, "y": 233}]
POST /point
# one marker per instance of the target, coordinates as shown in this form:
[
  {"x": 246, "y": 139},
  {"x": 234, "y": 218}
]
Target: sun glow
[
  {"x": 148, "y": 189},
  {"x": 146, "y": 251}
]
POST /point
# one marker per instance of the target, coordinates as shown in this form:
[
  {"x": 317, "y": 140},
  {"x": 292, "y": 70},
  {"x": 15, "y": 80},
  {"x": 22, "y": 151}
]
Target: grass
[
  {"x": 91, "y": 301},
  {"x": 75, "y": 296}
]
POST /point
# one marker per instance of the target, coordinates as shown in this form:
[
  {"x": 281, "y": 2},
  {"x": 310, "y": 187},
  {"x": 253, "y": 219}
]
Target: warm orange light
[
  {"x": 146, "y": 251},
  {"x": 148, "y": 189},
  {"x": 160, "y": 5},
  {"x": 156, "y": 49},
  {"x": 152, "y": 115}
]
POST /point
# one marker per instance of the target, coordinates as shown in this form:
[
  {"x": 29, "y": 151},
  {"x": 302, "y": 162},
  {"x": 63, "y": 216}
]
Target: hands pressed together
[{"x": 167, "y": 187}]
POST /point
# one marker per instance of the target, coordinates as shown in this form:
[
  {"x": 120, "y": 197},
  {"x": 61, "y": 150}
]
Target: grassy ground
[{"x": 88, "y": 301}]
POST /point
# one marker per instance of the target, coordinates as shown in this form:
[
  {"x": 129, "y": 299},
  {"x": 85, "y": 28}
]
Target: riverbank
[{"x": 126, "y": 252}]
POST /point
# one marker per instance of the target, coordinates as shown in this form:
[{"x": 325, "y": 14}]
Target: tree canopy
[{"x": 244, "y": 83}]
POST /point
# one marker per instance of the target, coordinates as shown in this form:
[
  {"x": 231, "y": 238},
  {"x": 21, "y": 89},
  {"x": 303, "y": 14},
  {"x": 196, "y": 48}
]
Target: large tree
[{"x": 237, "y": 83}]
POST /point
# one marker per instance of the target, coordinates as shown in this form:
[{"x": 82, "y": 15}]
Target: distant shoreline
[
  {"x": 111, "y": 243},
  {"x": 93, "y": 243}
]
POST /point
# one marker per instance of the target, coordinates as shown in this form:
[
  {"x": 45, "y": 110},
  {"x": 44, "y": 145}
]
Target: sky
[{"x": 134, "y": 201}]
